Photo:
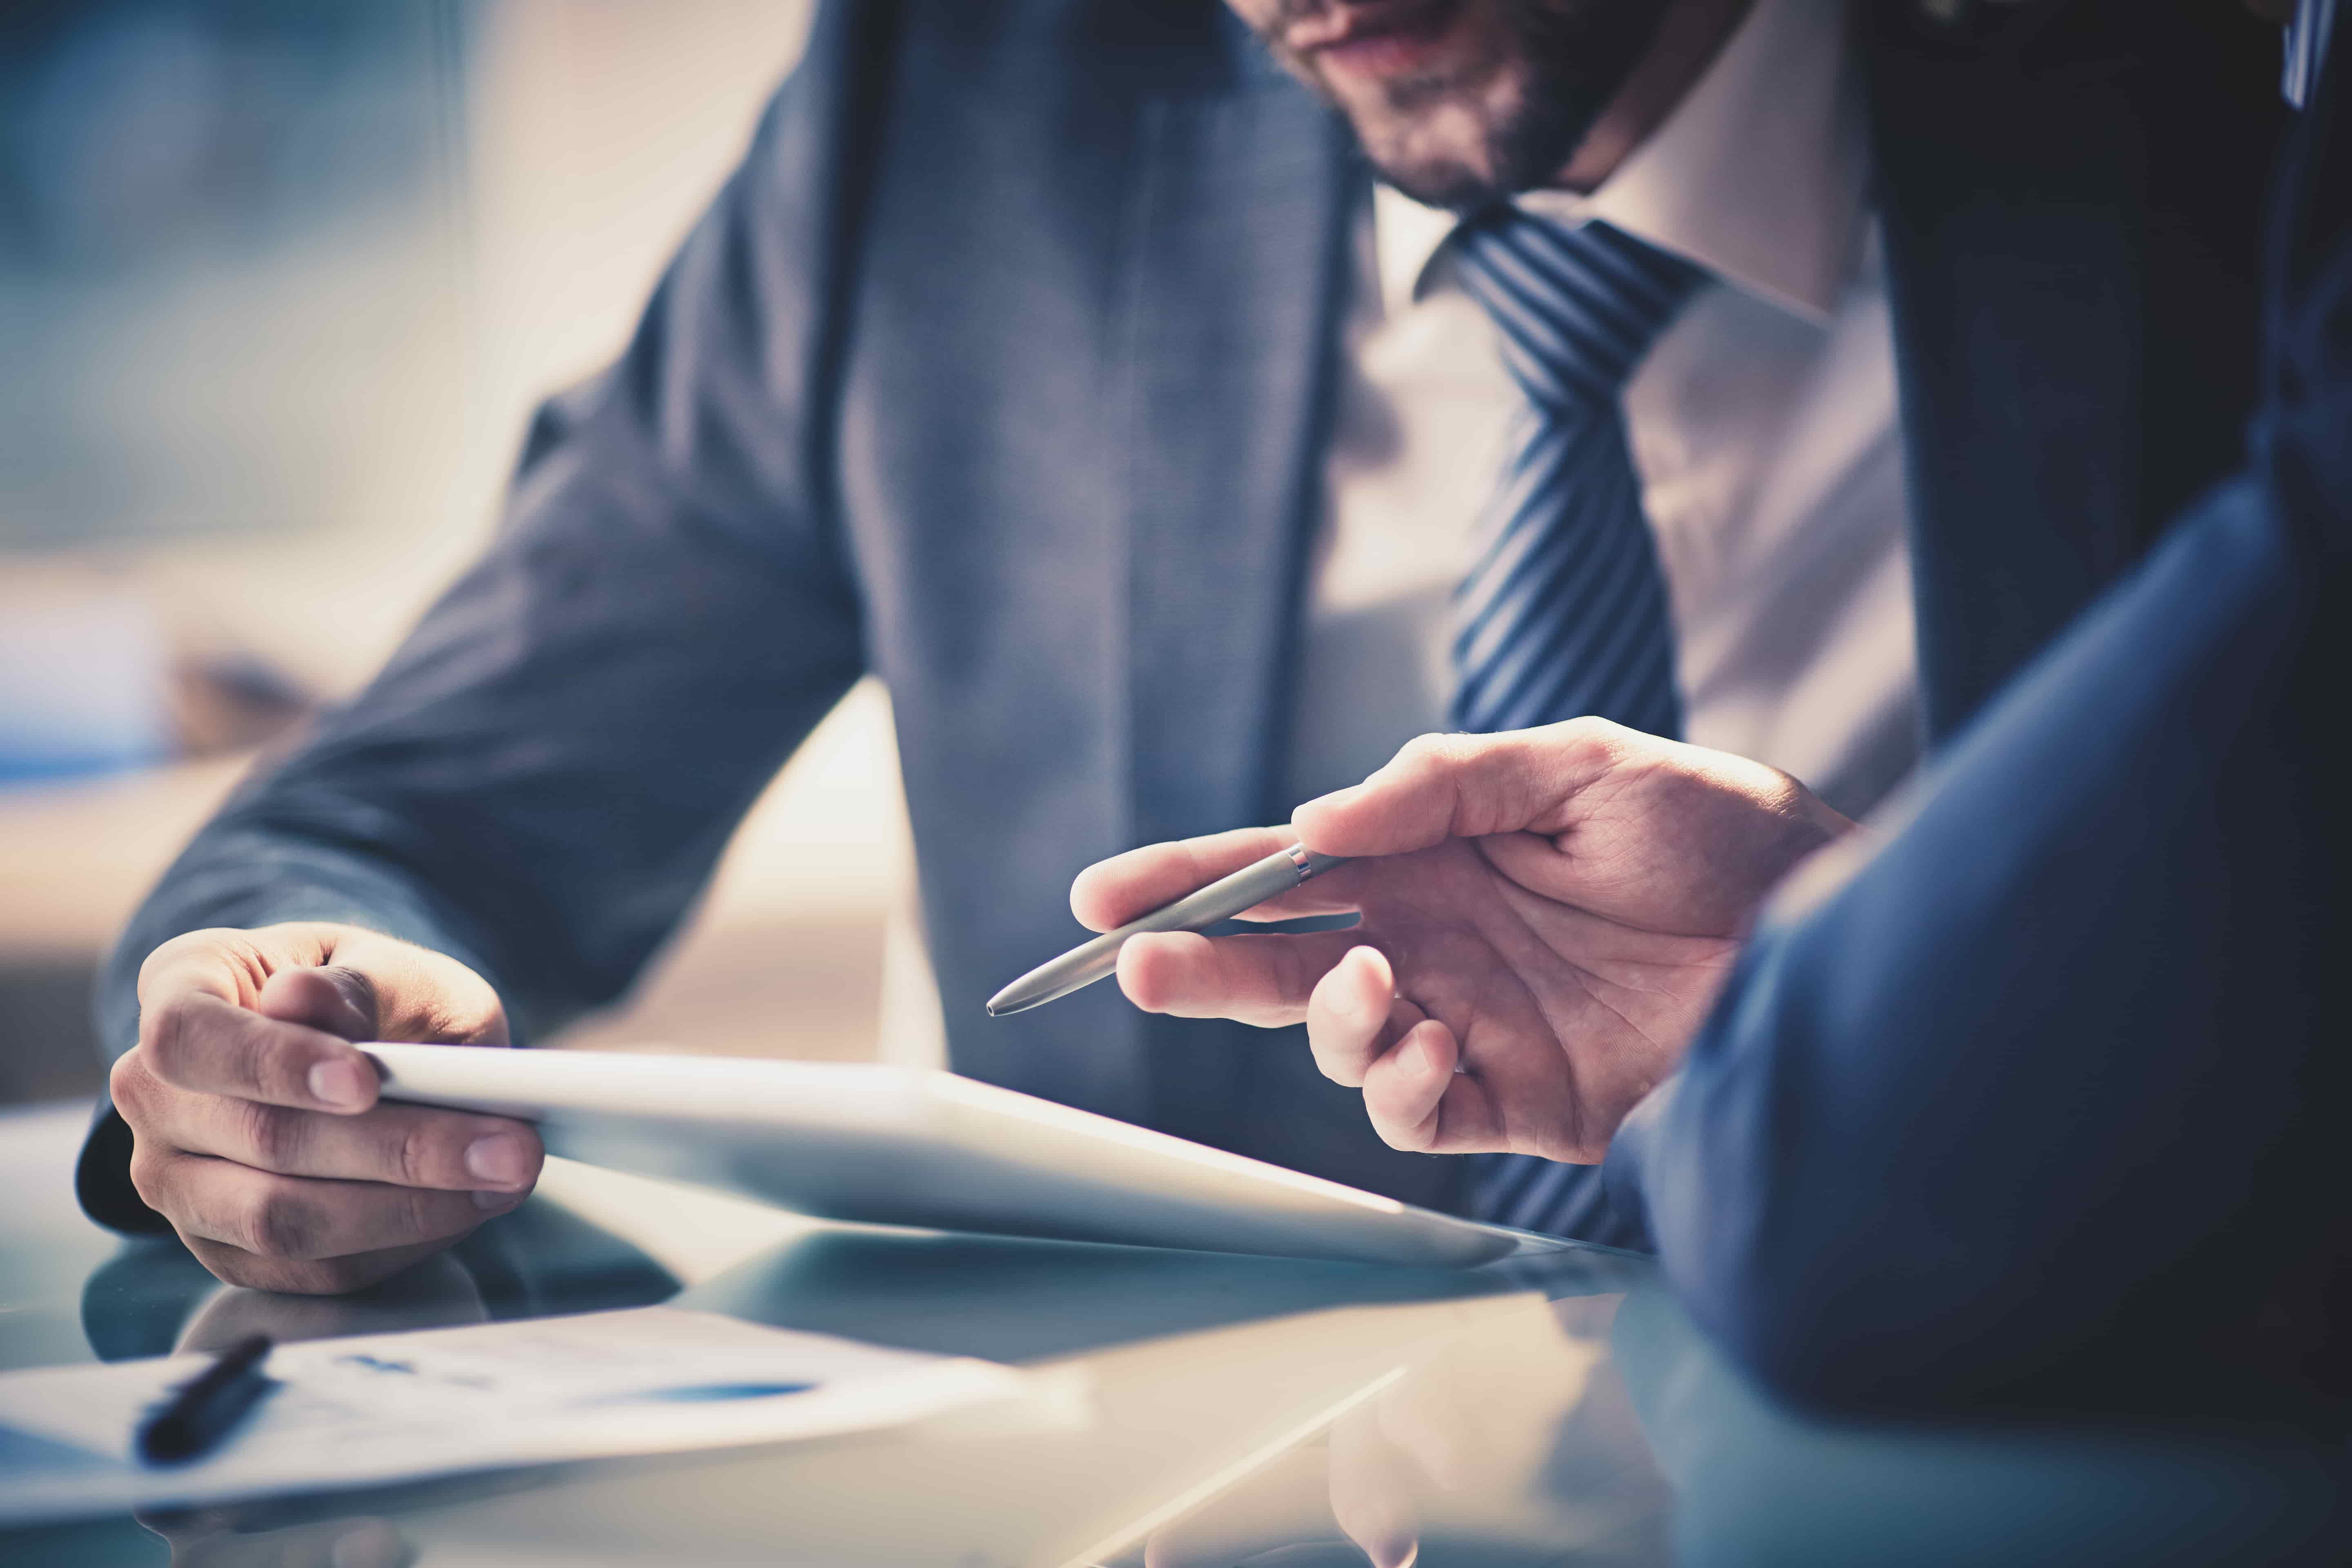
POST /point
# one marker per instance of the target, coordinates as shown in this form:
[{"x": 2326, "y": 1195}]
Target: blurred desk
[{"x": 1224, "y": 1410}]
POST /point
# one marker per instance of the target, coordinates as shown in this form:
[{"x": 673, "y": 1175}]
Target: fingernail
[
  {"x": 499, "y": 1157},
  {"x": 338, "y": 1082},
  {"x": 498, "y": 1203}
]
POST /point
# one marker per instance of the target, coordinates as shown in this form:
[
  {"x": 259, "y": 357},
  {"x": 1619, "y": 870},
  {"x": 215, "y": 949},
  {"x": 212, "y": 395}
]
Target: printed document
[{"x": 386, "y": 1407}]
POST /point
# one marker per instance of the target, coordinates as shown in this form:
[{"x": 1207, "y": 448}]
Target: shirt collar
[{"x": 1757, "y": 174}]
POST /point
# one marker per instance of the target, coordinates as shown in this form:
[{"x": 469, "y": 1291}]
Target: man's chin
[
  {"x": 1443, "y": 161},
  {"x": 1452, "y": 185},
  {"x": 1462, "y": 105}
]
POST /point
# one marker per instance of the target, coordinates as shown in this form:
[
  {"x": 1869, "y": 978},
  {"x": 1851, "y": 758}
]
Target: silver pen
[{"x": 1220, "y": 901}]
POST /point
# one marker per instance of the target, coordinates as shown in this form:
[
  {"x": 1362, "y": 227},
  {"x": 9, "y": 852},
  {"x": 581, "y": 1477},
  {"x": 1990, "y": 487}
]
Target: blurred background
[{"x": 280, "y": 283}]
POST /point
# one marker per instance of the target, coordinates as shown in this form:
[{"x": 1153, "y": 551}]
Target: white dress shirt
[{"x": 1763, "y": 426}]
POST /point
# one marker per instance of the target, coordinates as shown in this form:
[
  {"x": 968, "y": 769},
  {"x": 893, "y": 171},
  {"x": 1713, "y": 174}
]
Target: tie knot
[{"x": 1576, "y": 307}]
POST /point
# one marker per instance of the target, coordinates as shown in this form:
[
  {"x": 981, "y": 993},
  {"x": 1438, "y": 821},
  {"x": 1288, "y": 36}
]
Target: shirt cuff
[{"x": 103, "y": 1178}]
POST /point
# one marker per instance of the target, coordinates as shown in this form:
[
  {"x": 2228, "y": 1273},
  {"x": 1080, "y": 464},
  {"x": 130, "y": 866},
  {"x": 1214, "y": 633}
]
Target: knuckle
[
  {"x": 156, "y": 958},
  {"x": 412, "y": 1155},
  {"x": 273, "y": 1136},
  {"x": 166, "y": 1032},
  {"x": 279, "y": 1226},
  {"x": 1424, "y": 754},
  {"x": 148, "y": 1175},
  {"x": 1602, "y": 739},
  {"x": 163, "y": 954},
  {"x": 249, "y": 1059},
  {"x": 131, "y": 1085}
]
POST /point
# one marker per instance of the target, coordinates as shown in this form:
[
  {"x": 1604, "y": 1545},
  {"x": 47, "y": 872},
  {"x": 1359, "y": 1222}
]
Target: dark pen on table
[
  {"x": 205, "y": 1409},
  {"x": 1222, "y": 900}
]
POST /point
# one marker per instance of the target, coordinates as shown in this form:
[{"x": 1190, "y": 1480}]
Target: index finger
[
  {"x": 1467, "y": 786},
  {"x": 1112, "y": 892},
  {"x": 197, "y": 1041}
]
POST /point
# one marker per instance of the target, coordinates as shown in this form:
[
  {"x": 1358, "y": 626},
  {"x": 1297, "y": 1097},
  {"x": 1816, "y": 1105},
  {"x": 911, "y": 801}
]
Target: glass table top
[{"x": 1221, "y": 1410}]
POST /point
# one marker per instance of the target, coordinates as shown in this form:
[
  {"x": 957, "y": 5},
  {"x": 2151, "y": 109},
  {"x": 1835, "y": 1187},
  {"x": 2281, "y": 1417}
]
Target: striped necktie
[{"x": 1564, "y": 612}]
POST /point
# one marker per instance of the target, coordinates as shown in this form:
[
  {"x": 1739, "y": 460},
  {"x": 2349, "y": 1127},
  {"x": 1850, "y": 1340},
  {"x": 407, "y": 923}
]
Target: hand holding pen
[
  {"x": 1546, "y": 916},
  {"x": 1230, "y": 896}
]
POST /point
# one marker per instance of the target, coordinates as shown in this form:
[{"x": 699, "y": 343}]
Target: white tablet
[{"x": 901, "y": 1146}]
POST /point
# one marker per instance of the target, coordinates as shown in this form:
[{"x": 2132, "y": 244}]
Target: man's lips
[{"x": 1376, "y": 36}]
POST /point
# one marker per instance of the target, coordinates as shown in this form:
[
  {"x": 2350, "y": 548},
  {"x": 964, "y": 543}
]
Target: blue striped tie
[{"x": 1564, "y": 612}]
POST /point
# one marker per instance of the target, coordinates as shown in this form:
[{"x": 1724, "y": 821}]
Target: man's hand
[
  {"x": 256, "y": 1125},
  {"x": 1548, "y": 920}
]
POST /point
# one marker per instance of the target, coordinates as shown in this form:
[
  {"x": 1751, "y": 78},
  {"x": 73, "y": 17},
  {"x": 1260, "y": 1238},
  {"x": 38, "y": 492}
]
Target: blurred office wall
[{"x": 280, "y": 283}]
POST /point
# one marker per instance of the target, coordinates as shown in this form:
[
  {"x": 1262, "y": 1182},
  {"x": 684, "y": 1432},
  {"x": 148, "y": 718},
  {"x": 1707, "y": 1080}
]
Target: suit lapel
[
  {"x": 1237, "y": 238},
  {"x": 2070, "y": 205},
  {"x": 2016, "y": 297}
]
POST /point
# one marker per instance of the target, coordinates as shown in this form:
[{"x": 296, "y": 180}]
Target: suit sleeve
[
  {"x": 540, "y": 780},
  {"x": 2040, "y": 1109}
]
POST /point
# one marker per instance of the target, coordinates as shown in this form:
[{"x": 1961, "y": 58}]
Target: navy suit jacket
[
  {"x": 1002, "y": 368},
  {"x": 2043, "y": 1107}
]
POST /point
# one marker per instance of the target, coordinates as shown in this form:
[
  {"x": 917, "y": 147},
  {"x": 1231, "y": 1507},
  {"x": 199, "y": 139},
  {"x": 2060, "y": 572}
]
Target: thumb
[
  {"x": 1464, "y": 786},
  {"x": 364, "y": 986},
  {"x": 339, "y": 1001}
]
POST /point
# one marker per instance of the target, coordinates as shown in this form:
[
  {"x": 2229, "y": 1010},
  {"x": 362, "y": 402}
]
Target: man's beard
[{"x": 1572, "y": 58}]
